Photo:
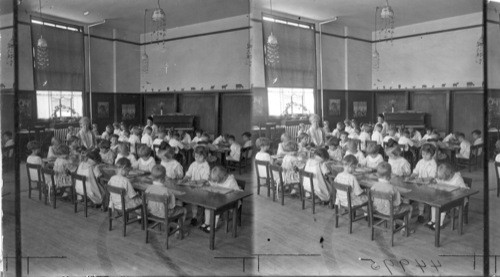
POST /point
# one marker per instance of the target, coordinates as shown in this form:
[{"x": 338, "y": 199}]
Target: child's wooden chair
[
  {"x": 267, "y": 180},
  {"x": 277, "y": 171},
  {"x": 36, "y": 170},
  {"x": 124, "y": 213},
  {"x": 310, "y": 176},
  {"x": 454, "y": 212},
  {"x": 350, "y": 210},
  {"x": 497, "y": 171},
  {"x": 241, "y": 164},
  {"x": 8, "y": 160},
  {"x": 48, "y": 177},
  {"x": 474, "y": 159},
  {"x": 241, "y": 185},
  {"x": 158, "y": 221},
  {"x": 384, "y": 219},
  {"x": 83, "y": 180}
]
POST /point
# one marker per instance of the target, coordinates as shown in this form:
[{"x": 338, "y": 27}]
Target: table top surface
[{"x": 190, "y": 192}]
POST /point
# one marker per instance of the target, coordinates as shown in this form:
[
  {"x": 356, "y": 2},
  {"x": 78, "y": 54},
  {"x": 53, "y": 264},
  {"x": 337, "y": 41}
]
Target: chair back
[
  {"x": 119, "y": 191},
  {"x": 476, "y": 150},
  {"x": 81, "y": 180},
  {"x": 276, "y": 171},
  {"x": 48, "y": 176},
  {"x": 262, "y": 167},
  {"x": 158, "y": 198},
  {"x": 246, "y": 153},
  {"x": 346, "y": 189},
  {"x": 9, "y": 151},
  {"x": 383, "y": 196},
  {"x": 497, "y": 171},
  {"x": 34, "y": 171},
  {"x": 306, "y": 175},
  {"x": 468, "y": 181}
]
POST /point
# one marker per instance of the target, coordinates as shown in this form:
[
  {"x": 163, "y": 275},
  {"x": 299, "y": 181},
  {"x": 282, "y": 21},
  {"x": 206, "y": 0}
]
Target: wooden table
[
  {"x": 214, "y": 202},
  {"x": 442, "y": 200}
]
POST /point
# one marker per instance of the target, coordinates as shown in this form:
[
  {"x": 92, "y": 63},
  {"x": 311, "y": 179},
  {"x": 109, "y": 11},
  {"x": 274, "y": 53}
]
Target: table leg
[
  {"x": 235, "y": 218},
  {"x": 212, "y": 229},
  {"x": 437, "y": 215},
  {"x": 460, "y": 218}
]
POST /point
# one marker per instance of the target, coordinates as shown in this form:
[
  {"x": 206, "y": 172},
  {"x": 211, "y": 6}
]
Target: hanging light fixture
[
  {"x": 10, "y": 52},
  {"x": 375, "y": 54},
  {"x": 271, "y": 49},
  {"x": 42, "y": 51},
  {"x": 480, "y": 50},
  {"x": 387, "y": 17},
  {"x": 144, "y": 56},
  {"x": 158, "y": 20}
]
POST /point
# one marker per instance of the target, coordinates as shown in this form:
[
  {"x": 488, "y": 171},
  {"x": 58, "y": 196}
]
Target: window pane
[
  {"x": 59, "y": 104},
  {"x": 290, "y": 101}
]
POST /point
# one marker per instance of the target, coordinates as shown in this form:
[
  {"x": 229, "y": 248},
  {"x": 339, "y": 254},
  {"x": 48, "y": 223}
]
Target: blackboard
[
  {"x": 203, "y": 107},
  {"x": 468, "y": 111},
  {"x": 433, "y": 103},
  {"x": 236, "y": 109}
]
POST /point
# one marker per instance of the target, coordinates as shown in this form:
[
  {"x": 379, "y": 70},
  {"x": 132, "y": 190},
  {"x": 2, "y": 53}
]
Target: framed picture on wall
[
  {"x": 25, "y": 108},
  {"x": 359, "y": 109},
  {"x": 102, "y": 109},
  {"x": 128, "y": 111},
  {"x": 334, "y": 107}
]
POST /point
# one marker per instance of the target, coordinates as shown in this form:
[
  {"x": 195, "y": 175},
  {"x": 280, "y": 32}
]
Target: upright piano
[{"x": 175, "y": 120}]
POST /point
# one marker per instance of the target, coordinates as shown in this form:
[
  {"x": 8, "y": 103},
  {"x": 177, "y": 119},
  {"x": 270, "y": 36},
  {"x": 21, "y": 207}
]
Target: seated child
[
  {"x": 219, "y": 178},
  {"x": 425, "y": 169},
  {"x": 348, "y": 126},
  {"x": 352, "y": 149},
  {"x": 185, "y": 137},
  {"x": 53, "y": 143},
  {"x": 63, "y": 166},
  {"x": 334, "y": 151},
  {"x": 95, "y": 131},
  {"x": 116, "y": 129},
  {"x": 415, "y": 134},
  {"x": 247, "y": 139},
  {"x": 343, "y": 141},
  {"x": 326, "y": 127},
  {"x": 88, "y": 168},
  {"x": 173, "y": 169},
  {"x": 399, "y": 166},
  {"x": 146, "y": 161},
  {"x": 451, "y": 138},
  {"x": 291, "y": 165},
  {"x": 146, "y": 137},
  {"x": 263, "y": 143},
  {"x": 339, "y": 128},
  {"x": 125, "y": 135},
  {"x": 235, "y": 147},
  {"x": 222, "y": 139},
  {"x": 176, "y": 143},
  {"x": 355, "y": 133},
  {"x": 114, "y": 143},
  {"x": 160, "y": 138},
  {"x": 34, "y": 158},
  {"x": 383, "y": 185},
  {"x": 428, "y": 133},
  {"x": 108, "y": 132},
  {"x": 158, "y": 188},
  {"x": 71, "y": 132},
  {"x": 199, "y": 170},
  {"x": 373, "y": 157},
  {"x": 302, "y": 129},
  {"x": 303, "y": 142},
  {"x": 446, "y": 176},
  {"x": 377, "y": 134},
  {"x": 124, "y": 152},
  {"x": 316, "y": 165},
  {"x": 364, "y": 136},
  {"x": 119, "y": 180},
  {"x": 197, "y": 138},
  {"x": 107, "y": 156},
  {"x": 405, "y": 140},
  {"x": 477, "y": 140},
  {"x": 346, "y": 177},
  {"x": 284, "y": 138},
  {"x": 391, "y": 134},
  {"x": 464, "y": 147},
  {"x": 134, "y": 138}
]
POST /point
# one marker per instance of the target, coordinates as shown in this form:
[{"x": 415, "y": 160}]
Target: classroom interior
[{"x": 208, "y": 69}]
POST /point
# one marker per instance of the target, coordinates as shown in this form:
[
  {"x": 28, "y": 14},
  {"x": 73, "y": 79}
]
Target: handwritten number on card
[
  {"x": 403, "y": 262},
  {"x": 420, "y": 265},
  {"x": 436, "y": 266},
  {"x": 391, "y": 263}
]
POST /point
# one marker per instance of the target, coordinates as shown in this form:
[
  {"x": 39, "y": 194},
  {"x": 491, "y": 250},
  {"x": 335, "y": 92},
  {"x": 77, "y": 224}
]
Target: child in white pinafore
[{"x": 317, "y": 166}]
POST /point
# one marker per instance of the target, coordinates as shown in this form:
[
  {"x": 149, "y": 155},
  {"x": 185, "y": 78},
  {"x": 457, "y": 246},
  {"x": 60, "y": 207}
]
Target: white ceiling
[
  {"x": 128, "y": 14},
  {"x": 361, "y": 13}
]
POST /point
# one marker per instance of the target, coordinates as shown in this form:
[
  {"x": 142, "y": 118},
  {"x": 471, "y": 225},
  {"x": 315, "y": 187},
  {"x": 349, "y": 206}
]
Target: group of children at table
[
  {"x": 116, "y": 147},
  {"x": 343, "y": 147}
]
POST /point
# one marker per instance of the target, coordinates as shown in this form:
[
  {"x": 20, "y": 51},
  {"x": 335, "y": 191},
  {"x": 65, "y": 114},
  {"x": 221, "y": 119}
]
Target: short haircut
[
  {"x": 302, "y": 136},
  {"x": 123, "y": 163},
  {"x": 200, "y": 150},
  {"x": 290, "y": 146},
  {"x": 218, "y": 173},
  {"x": 126, "y": 131},
  {"x": 406, "y": 132},
  {"x": 384, "y": 170},
  {"x": 199, "y": 131},
  {"x": 144, "y": 151},
  {"x": 104, "y": 144},
  {"x": 344, "y": 133},
  {"x": 158, "y": 172},
  {"x": 381, "y": 116},
  {"x": 114, "y": 136},
  {"x": 391, "y": 143},
  {"x": 394, "y": 150},
  {"x": 176, "y": 135},
  {"x": 164, "y": 146},
  {"x": 169, "y": 153},
  {"x": 116, "y": 125},
  {"x": 246, "y": 134},
  {"x": 136, "y": 131},
  {"x": 460, "y": 135},
  {"x": 148, "y": 129},
  {"x": 124, "y": 147},
  {"x": 285, "y": 136},
  {"x": 476, "y": 132},
  {"x": 445, "y": 171},
  {"x": 372, "y": 148},
  {"x": 340, "y": 124},
  {"x": 262, "y": 142},
  {"x": 333, "y": 141},
  {"x": 322, "y": 153},
  {"x": 378, "y": 126},
  {"x": 109, "y": 126},
  {"x": 94, "y": 155},
  {"x": 429, "y": 148},
  {"x": 150, "y": 118},
  {"x": 33, "y": 145},
  {"x": 352, "y": 143},
  {"x": 349, "y": 160},
  {"x": 231, "y": 137}
]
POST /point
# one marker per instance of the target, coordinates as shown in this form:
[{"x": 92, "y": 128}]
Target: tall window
[
  {"x": 291, "y": 83},
  {"x": 60, "y": 84}
]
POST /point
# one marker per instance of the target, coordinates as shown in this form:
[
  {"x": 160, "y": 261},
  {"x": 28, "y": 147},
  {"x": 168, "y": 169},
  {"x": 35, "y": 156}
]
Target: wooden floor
[{"x": 292, "y": 242}]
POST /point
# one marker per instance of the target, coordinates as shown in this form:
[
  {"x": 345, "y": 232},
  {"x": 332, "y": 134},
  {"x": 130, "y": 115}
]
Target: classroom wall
[
  {"x": 431, "y": 60},
  {"x": 199, "y": 59},
  {"x": 493, "y": 54}
]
